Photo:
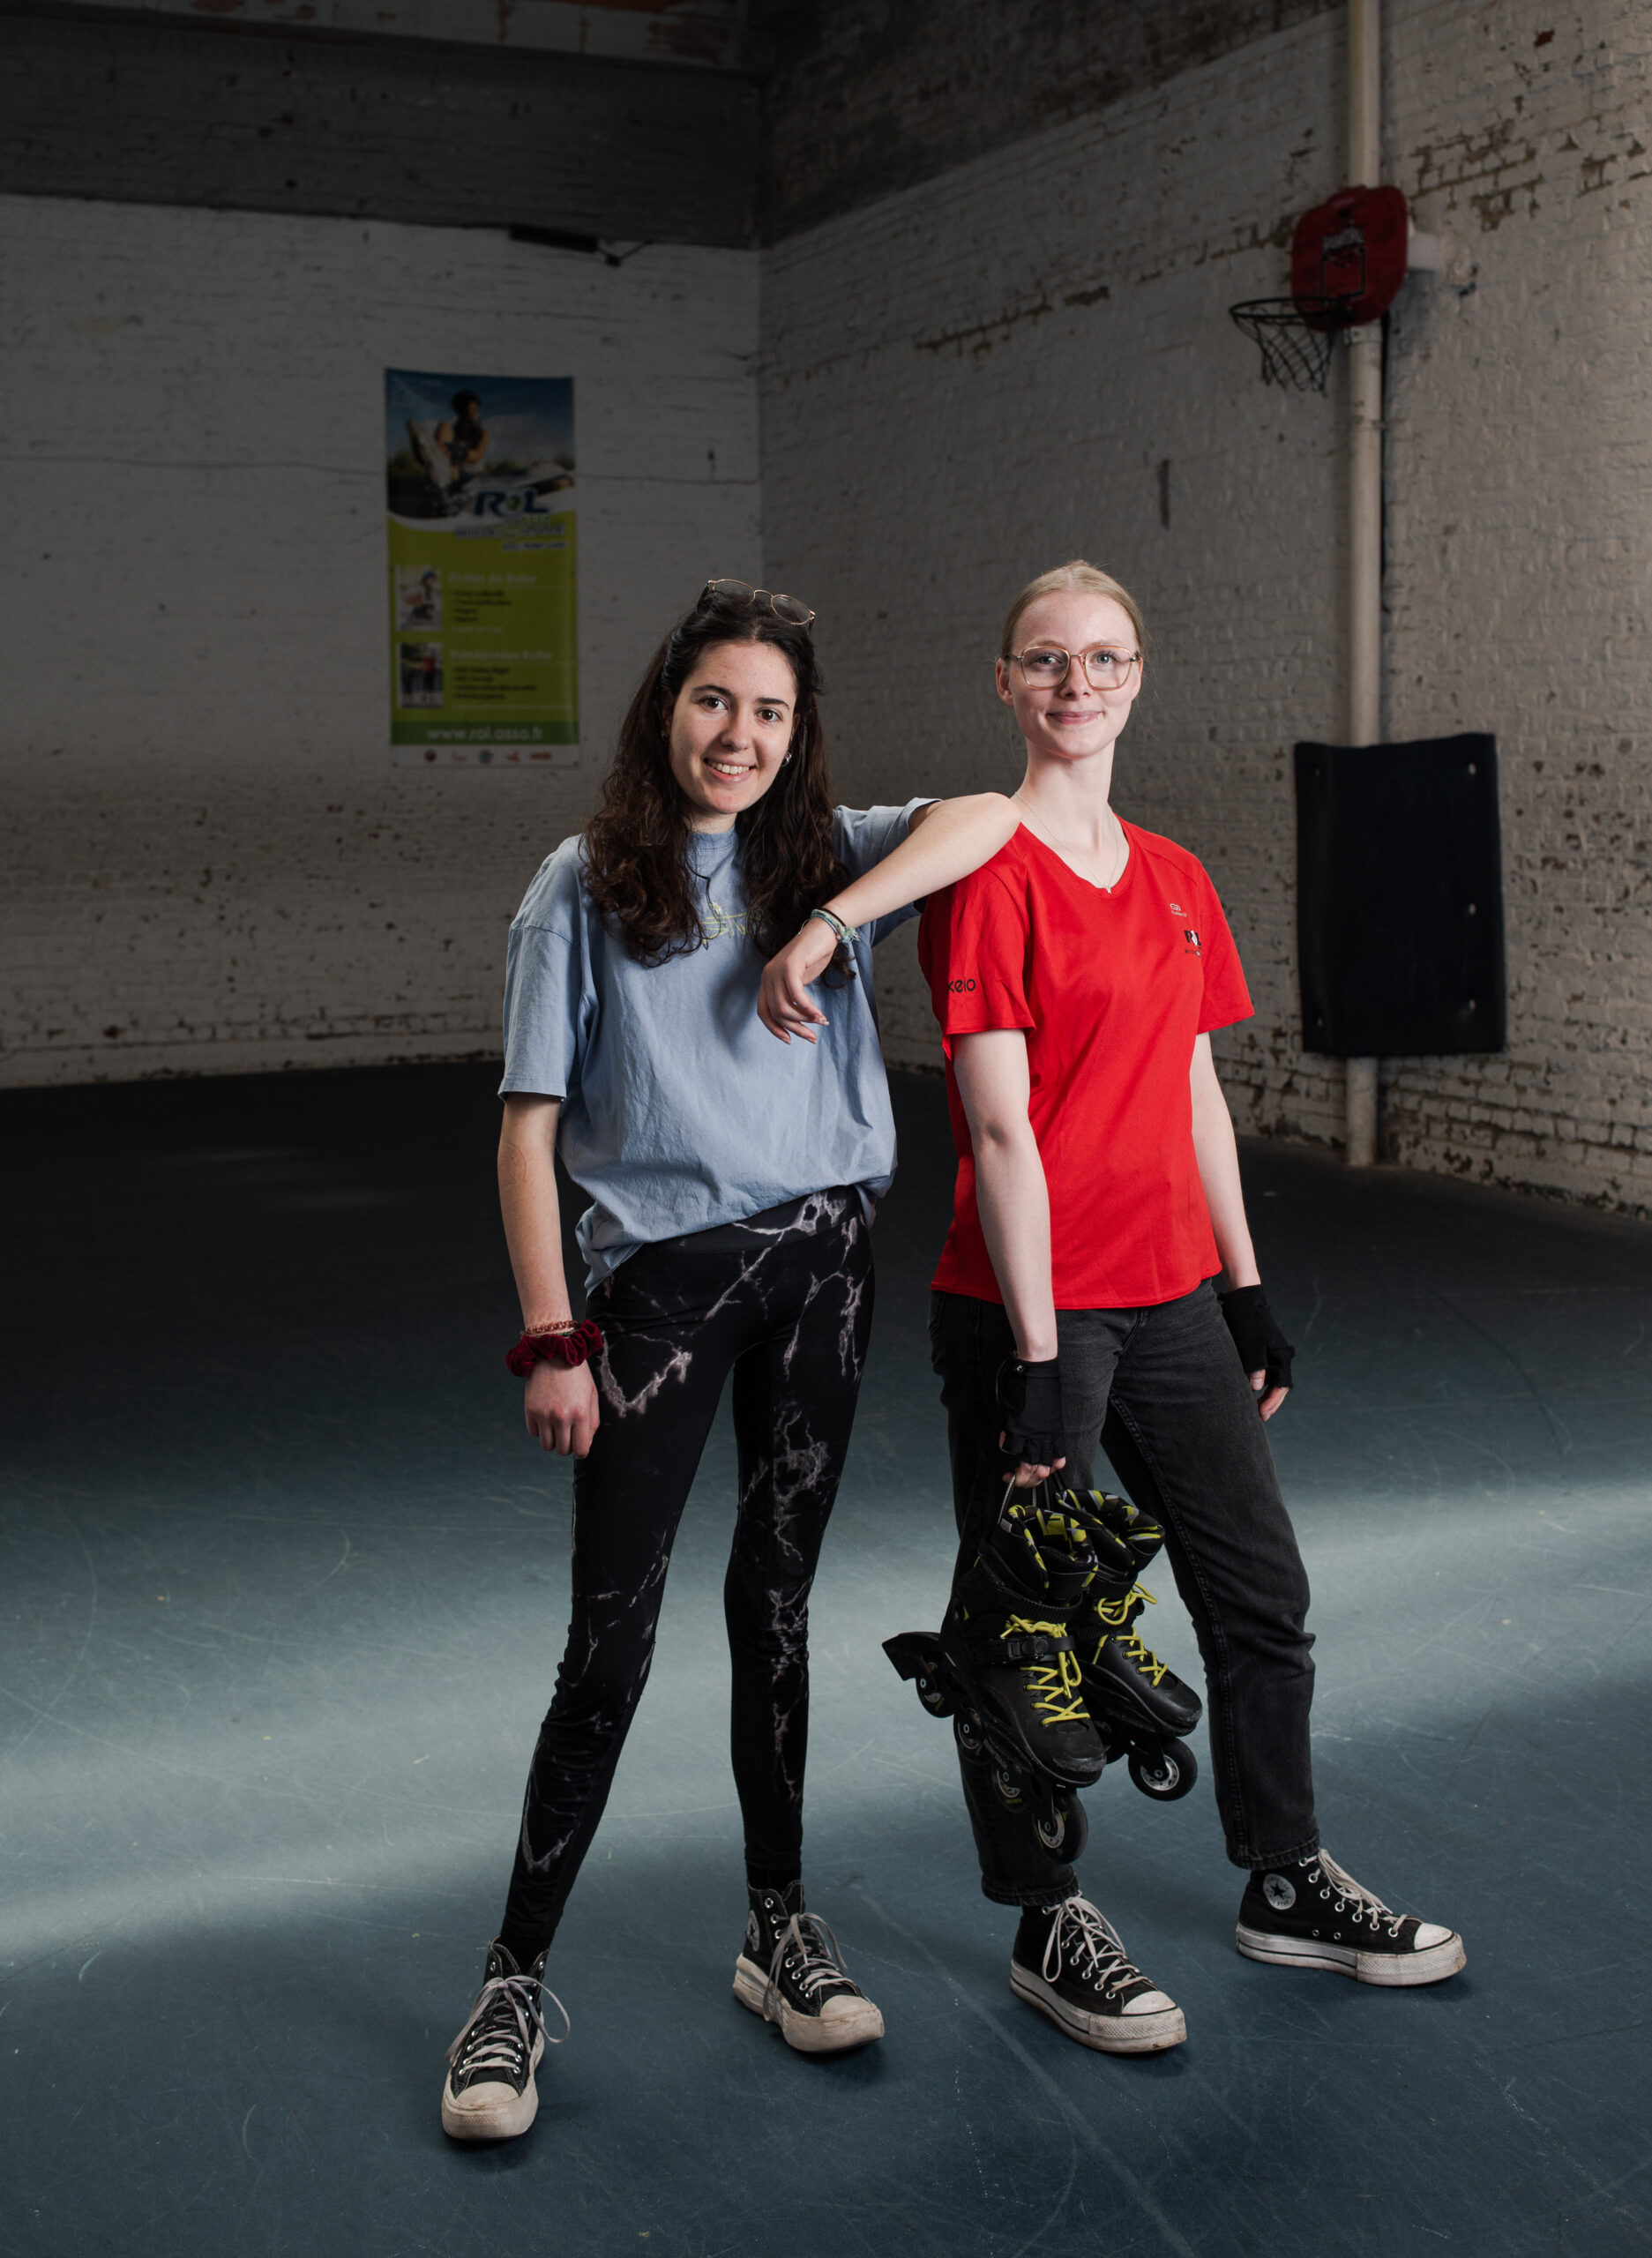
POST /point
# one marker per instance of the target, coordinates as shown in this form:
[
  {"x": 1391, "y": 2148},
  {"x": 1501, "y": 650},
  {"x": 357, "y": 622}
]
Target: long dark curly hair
[{"x": 637, "y": 869}]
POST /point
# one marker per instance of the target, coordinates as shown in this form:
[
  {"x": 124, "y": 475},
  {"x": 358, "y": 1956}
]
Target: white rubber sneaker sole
[
  {"x": 490, "y": 2113},
  {"x": 1430, "y": 1963},
  {"x": 841, "y": 2023},
  {"x": 1152, "y": 2024}
]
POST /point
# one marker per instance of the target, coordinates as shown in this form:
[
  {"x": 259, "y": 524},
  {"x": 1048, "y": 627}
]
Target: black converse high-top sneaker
[
  {"x": 791, "y": 1972},
  {"x": 1070, "y": 1964},
  {"x": 489, "y": 2093},
  {"x": 1312, "y": 1914}
]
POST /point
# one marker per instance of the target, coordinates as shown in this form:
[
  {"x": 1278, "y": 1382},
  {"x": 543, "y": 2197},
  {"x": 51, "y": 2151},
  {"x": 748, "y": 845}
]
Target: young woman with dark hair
[
  {"x": 731, "y": 1186},
  {"x": 1077, "y": 978}
]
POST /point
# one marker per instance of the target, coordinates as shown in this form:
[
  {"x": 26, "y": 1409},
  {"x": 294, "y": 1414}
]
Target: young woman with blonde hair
[{"x": 1077, "y": 978}]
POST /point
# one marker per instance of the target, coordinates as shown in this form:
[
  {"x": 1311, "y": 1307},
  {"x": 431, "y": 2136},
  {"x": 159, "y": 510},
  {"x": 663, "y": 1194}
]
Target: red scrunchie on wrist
[{"x": 573, "y": 1346}]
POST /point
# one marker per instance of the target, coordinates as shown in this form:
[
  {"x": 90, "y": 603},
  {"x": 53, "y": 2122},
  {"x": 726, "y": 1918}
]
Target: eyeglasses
[
  {"x": 792, "y": 609},
  {"x": 1044, "y": 666}
]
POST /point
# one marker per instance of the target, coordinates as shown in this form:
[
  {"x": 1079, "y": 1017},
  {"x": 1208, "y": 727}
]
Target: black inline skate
[
  {"x": 1003, "y": 1665},
  {"x": 1138, "y": 1705}
]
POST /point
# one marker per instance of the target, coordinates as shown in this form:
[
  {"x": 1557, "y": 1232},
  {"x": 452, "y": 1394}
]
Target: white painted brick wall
[
  {"x": 972, "y": 380},
  {"x": 209, "y": 854},
  {"x": 1520, "y": 507},
  {"x": 211, "y": 864}
]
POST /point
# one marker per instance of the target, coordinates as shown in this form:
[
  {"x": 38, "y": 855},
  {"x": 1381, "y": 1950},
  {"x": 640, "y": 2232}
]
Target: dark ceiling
[{"x": 715, "y": 121}]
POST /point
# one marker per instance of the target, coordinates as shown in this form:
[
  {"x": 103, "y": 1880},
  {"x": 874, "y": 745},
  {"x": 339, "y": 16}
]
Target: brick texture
[
  {"x": 204, "y": 114},
  {"x": 971, "y": 379},
  {"x": 1520, "y": 475},
  {"x": 211, "y": 864},
  {"x": 866, "y": 96}
]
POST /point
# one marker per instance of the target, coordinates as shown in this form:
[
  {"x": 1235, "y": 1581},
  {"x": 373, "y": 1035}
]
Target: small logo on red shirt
[
  {"x": 961, "y": 987},
  {"x": 1190, "y": 936}
]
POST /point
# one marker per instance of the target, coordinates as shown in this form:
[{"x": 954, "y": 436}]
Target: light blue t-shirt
[{"x": 680, "y": 1110}]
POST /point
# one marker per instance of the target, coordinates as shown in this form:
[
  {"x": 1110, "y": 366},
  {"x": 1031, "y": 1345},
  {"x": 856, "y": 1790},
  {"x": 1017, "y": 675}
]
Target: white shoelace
[
  {"x": 1082, "y": 1931},
  {"x": 1365, "y": 1904},
  {"x": 503, "y": 2045},
  {"x": 822, "y": 1961}
]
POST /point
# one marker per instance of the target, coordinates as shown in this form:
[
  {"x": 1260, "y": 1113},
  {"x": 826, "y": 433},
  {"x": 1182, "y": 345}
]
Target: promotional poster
[{"x": 483, "y": 568}]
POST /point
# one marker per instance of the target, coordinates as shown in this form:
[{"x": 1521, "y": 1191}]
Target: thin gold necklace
[{"x": 1120, "y": 851}]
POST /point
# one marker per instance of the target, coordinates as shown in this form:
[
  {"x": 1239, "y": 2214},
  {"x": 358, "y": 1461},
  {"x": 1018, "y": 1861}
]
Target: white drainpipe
[{"x": 1364, "y": 496}]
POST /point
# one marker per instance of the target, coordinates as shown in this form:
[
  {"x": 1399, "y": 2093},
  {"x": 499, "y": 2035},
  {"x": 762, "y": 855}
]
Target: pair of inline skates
[{"x": 1040, "y": 1666}]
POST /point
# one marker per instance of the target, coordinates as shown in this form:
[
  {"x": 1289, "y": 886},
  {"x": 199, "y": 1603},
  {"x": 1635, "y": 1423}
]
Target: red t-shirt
[{"x": 1112, "y": 989}]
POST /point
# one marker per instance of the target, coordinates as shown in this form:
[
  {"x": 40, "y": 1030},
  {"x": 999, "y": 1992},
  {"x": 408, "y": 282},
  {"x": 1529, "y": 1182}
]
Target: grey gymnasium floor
[{"x": 284, "y": 1592}]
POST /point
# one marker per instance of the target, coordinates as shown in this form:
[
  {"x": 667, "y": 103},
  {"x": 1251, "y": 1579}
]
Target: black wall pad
[{"x": 1400, "y": 898}]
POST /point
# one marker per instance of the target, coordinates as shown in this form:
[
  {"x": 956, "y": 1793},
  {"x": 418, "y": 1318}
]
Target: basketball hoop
[
  {"x": 1348, "y": 259},
  {"x": 1296, "y": 336}
]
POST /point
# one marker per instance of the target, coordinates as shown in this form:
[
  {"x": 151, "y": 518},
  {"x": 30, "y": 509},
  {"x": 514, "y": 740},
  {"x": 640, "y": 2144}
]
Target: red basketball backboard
[{"x": 1349, "y": 249}]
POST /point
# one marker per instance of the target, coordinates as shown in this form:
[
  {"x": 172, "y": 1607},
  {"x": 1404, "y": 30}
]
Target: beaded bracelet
[{"x": 567, "y": 1344}]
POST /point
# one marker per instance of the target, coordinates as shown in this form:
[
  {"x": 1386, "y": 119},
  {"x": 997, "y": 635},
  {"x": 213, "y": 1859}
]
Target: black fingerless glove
[
  {"x": 1030, "y": 1398},
  {"x": 1263, "y": 1347}
]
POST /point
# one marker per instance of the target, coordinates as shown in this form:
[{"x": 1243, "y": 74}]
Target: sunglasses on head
[{"x": 792, "y": 609}]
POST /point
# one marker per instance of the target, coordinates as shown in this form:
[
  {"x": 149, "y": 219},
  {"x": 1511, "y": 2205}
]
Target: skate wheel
[
  {"x": 1007, "y": 1788},
  {"x": 972, "y": 1742},
  {"x": 1064, "y": 1830},
  {"x": 935, "y": 1698},
  {"x": 1168, "y": 1773}
]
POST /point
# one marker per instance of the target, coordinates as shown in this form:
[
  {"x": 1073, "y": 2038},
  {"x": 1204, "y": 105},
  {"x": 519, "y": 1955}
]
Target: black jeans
[
  {"x": 1162, "y": 1391},
  {"x": 783, "y": 1301}
]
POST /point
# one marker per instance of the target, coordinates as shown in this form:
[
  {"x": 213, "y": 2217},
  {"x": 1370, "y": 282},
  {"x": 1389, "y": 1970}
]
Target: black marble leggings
[{"x": 783, "y": 1301}]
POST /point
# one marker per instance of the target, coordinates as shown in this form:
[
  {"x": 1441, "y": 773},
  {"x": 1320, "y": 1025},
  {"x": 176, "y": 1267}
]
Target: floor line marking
[{"x": 1075, "y": 2117}]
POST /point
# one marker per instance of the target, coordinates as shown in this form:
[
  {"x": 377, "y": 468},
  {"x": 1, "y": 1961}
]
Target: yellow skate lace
[
  {"x": 1116, "y": 1614},
  {"x": 1056, "y": 1687}
]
